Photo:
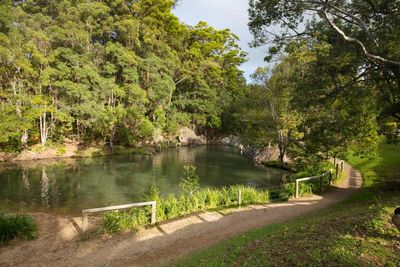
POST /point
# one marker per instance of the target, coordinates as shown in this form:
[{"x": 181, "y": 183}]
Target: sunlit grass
[{"x": 355, "y": 232}]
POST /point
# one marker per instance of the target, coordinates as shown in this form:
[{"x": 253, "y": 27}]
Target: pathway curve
[{"x": 59, "y": 244}]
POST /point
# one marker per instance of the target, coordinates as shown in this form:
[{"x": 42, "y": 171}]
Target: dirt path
[{"x": 59, "y": 243}]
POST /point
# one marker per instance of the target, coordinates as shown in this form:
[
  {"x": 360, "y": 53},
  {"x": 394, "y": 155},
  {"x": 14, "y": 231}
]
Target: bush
[
  {"x": 113, "y": 222},
  {"x": 193, "y": 198},
  {"x": 190, "y": 181},
  {"x": 16, "y": 226}
]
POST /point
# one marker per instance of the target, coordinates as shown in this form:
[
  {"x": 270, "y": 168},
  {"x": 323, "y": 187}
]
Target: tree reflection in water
[{"x": 44, "y": 182}]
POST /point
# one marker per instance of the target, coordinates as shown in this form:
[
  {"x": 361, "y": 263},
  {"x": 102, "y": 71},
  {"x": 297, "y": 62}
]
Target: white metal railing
[
  {"x": 321, "y": 182},
  {"x": 87, "y": 212}
]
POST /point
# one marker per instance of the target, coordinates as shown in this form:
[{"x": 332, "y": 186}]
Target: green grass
[
  {"x": 172, "y": 206},
  {"x": 193, "y": 198},
  {"x": 355, "y": 232},
  {"x": 14, "y": 226}
]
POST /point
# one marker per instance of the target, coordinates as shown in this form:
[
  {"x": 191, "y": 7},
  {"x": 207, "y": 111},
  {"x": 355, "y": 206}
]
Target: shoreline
[{"x": 266, "y": 156}]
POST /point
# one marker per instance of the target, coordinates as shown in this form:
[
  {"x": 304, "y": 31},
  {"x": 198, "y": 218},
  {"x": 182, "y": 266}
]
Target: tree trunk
[
  {"x": 43, "y": 129},
  {"x": 282, "y": 155},
  {"x": 112, "y": 138},
  {"x": 24, "y": 140}
]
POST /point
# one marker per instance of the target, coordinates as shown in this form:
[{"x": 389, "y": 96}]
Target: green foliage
[
  {"x": 194, "y": 198},
  {"x": 354, "y": 232},
  {"x": 354, "y": 86},
  {"x": 113, "y": 222},
  {"x": 16, "y": 226},
  {"x": 190, "y": 182},
  {"x": 100, "y": 72},
  {"x": 172, "y": 206}
]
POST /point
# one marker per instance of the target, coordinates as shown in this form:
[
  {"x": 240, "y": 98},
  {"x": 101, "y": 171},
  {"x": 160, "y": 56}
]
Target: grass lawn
[{"x": 355, "y": 232}]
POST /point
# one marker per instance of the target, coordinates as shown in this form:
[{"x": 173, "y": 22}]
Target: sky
[{"x": 222, "y": 14}]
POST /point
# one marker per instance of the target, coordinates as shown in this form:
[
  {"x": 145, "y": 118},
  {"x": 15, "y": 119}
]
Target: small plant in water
[{"x": 190, "y": 181}]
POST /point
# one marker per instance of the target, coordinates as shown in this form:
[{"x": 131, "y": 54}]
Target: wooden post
[
  {"x": 321, "y": 183},
  {"x": 337, "y": 171},
  {"x": 240, "y": 197},
  {"x": 342, "y": 165},
  {"x": 297, "y": 189},
  {"x": 330, "y": 176},
  {"x": 153, "y": 213},
  {"x": 84, "y": 221}
]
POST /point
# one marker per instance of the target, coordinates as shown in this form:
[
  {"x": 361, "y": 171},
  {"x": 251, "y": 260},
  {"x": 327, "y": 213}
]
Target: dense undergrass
[
  {"x": 355, "y": 232},
  {"x": 16, "y": 226}
]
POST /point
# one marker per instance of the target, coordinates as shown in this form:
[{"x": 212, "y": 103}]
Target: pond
[{"x": 67, "y": 186}]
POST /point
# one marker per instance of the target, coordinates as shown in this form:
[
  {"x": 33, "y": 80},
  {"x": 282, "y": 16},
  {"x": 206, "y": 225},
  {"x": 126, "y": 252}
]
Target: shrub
[
  {"x": 16, "y": 226},
  {"x": 193, "y": 198},
  {"x": 113, "y": 222},
  {"x": 251, "y": 195},
  {"x": 211, "y": 198},
  {"x": 60, "y": 150},
  {"x": 190, "y": 181},
  {"x": 171, "y": 208},
  {"x": 226, "y": 198}
]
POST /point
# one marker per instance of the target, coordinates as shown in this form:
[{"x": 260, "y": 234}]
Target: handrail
[
  {"x": 87, "y": 212},
  {"x": 321, "y": 177}
]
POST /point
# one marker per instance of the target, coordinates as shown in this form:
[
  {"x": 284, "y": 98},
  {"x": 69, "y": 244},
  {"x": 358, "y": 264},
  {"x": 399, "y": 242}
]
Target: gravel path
[{"x": 59, "y": 243}]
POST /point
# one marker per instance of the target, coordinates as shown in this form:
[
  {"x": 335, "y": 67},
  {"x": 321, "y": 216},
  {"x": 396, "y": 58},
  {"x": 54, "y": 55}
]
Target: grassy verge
[
  {"x": 14, "y": 226},
  {"x": 355, "y": 232},
  {"x": 193, "y": 198},
  {"x": 172, "y": 206}
]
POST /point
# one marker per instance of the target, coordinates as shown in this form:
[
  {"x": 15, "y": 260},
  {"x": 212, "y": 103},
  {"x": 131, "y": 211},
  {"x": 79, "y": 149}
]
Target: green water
[{"x": 68, "y": 186}]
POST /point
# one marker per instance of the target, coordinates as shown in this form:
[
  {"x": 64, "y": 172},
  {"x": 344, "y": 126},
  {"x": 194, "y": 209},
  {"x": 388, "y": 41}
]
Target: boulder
[
  {"x": 230, "y": 140},
  {"x": 188, "y": 137},
  {"x": 266, "y": 154}
]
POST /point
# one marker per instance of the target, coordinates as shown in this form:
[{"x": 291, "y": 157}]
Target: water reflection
[
  {"x": 45, "y": 188},
  {"x": 68, "y": 186}
]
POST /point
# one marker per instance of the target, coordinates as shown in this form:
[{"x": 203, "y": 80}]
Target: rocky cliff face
[
  {"x": 187, "y": 137},
  {"x": 259, "y": 156}
]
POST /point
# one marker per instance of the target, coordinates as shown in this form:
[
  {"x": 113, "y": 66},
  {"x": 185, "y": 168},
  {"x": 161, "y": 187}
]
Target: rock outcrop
[
  {"x": 269, "y": 153},
  {"x": 187, "y": 137},
  {"x": 259, "y": 156}
]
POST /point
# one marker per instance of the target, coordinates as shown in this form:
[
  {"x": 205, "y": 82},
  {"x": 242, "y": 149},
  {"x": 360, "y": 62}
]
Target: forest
[
  {"x": 127, "y": 76},
  {"x": 121, "y": 72},
  {"x": 110, "y": 72}
]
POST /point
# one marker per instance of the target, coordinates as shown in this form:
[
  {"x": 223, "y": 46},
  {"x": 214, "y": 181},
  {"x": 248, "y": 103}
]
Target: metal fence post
[
  {"x": 153, "y": 212},
  {"x": 321, "y": 183},
  {"x": 84, "y": 221},
  {"x": 337, "y": 170},
  {"x": 240, "y": 197}
]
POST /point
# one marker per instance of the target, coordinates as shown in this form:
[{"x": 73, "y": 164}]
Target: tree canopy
[
  {"x": 110, "y": 71},
  {"x": 361, "y": 34}
]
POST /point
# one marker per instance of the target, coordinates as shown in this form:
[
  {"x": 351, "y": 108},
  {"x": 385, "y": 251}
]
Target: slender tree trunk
[
  {"x": 43, "y": 129},
  {"x": 112, "y": 138},
  {"x": 24, "y": 140}
]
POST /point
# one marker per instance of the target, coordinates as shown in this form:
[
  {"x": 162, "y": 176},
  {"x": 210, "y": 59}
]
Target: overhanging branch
[{"x": 356, "y": 41}]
